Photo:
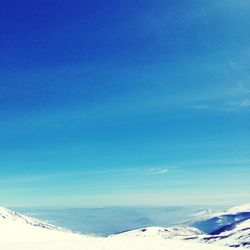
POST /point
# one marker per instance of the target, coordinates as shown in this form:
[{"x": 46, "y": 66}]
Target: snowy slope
[
  {"x": 11, "y": 216},
  {"x": 124, "y": 243},
  {"x": 166, "y": 233},
  {"x": 19, "y": 232},
  {"x": 232, "y": 229},
  {"x": 19, "y": 228},
  {"x": 235, "y": 235},
  {"x": 228, "y": 228},
  {"x": 212, "y": 222}
]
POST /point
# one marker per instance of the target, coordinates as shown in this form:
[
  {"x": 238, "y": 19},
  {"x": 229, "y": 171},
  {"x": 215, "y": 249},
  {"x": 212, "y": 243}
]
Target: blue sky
[{"x": 124, "y": 102}]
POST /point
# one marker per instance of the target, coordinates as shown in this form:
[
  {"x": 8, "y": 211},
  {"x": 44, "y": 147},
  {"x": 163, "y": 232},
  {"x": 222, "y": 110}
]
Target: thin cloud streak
[
  {"x": 156, "y": 171},
  {"x": 125, "y": 171}
]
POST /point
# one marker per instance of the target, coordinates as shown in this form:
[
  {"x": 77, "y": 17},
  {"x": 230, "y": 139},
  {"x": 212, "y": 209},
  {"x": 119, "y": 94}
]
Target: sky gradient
[{"x": 124, "y": 102}]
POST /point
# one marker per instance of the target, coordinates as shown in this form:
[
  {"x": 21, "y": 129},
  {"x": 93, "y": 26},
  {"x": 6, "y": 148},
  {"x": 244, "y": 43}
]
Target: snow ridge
[
  {"x": 166, "y": 233},
  {"x": 11, "y": 216}
]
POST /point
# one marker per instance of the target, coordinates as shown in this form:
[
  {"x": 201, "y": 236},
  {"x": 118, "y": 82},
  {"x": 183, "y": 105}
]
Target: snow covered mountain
[
  {"x": 237, "y": 234},
  {"x": 19, "y": 228},
  {"x": 211, "y": 222},
  {"x": 230, "y": 228},
  {"x": 18, "y": 232},
  {"x": 9, "y": 216},
  {"x": 165, "y": 233}
]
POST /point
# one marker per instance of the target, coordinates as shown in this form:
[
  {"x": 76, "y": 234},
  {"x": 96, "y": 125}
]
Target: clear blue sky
[{"x": 124, "y": 102}]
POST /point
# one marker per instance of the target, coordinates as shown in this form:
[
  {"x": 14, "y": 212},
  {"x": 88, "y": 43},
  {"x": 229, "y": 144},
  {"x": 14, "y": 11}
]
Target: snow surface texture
[{"x": 19, "y": 232}]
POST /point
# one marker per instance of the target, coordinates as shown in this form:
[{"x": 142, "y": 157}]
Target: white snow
[
  {"x": 11, "y": 216},
  {"x": 15, "y": 227},
  {"x": 19, "y": 232},
  {"x": 114, "y": 243},
  {"x": 238, "y": 236},
  {"x": 166, "y": 233}
]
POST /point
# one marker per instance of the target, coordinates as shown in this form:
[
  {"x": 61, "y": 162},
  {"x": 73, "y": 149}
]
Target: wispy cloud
[
  {"x": 156, "y": 171},
  {"x": 118, "y": 171},
  {"x": 133, "y": 171}
]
